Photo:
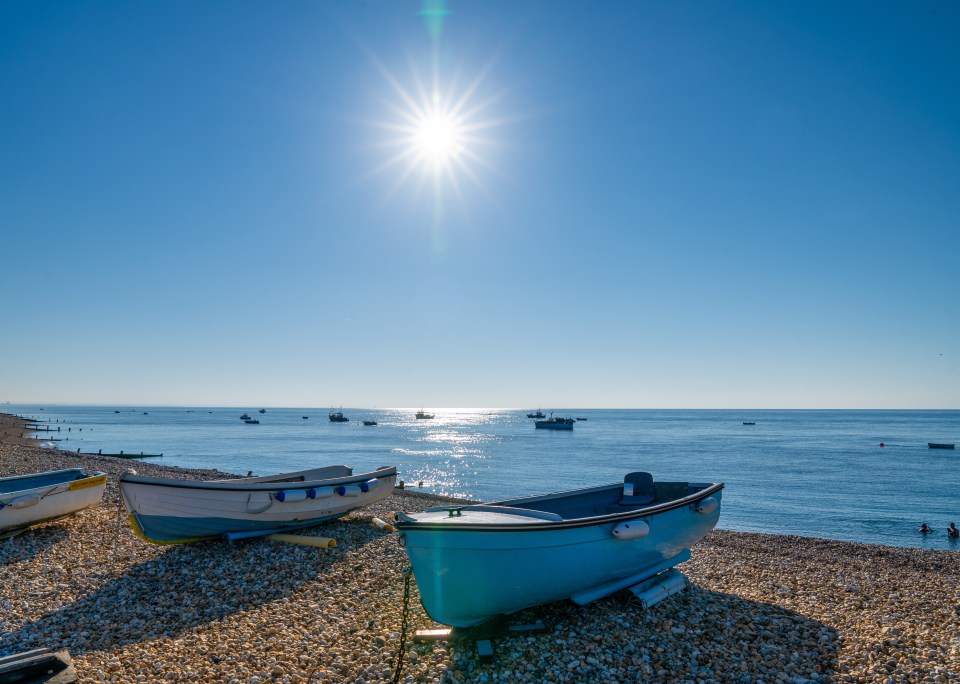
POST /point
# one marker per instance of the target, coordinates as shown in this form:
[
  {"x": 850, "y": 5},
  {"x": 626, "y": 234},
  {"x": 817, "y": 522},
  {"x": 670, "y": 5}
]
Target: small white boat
[
  {"x": 26, "y": 500},
  {"x": 476, "y": 562},
  {"x": 168, "y": 511}
]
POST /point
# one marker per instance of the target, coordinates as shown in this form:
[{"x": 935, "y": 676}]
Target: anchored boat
[
  {"x": 552, "y": 423},
  {"x": 476, "y": 562},
  {"x": 165, "y": 510},
  {"x": 27, "y": 500}
]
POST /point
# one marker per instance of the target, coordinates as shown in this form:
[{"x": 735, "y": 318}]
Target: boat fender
[
  {"x": 706, "y": 506},
  {"x": 319, "y": 492},
  {"x": 348, "y": 490},
  {"x": 372, "y": 484},
  {"x": 290, "y": 495},
  {"x": 25, "y": 501},
  {"x": 631, "y": 530}
]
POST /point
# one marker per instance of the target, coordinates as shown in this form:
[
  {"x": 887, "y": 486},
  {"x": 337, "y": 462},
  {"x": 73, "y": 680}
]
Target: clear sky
[{"x": 497, "y": 203}]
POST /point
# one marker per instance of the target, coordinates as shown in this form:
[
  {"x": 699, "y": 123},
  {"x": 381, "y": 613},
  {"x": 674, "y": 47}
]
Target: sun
[
  {"x": 439, "y": 138},
  {"x": 437, "y": 134}
]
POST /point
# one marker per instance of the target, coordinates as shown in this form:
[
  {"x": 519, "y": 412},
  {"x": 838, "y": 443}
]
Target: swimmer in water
[{"x": 925, "y": 529}]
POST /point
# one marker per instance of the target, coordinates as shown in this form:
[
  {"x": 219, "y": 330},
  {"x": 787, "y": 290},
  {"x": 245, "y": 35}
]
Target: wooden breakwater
[{"x": 123, "y": 454}]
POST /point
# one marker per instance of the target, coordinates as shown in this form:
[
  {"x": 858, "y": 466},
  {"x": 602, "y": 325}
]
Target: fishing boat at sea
[
  {"x": 167, "y": 510},
  {"x": 552, "y": 423},
  {"x": 537, "y": 414},
  {"x": 423, "y": 415},
  {"x": 27, "y": 500},
  {"x": 369, "y": 422},
  {"x": 477, "y": 562},
  {"x": 337, "y": 417}
]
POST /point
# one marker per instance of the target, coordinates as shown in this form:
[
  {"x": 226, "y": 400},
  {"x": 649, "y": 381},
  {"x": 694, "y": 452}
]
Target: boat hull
[
  {"x": 468, "y": 577},
  {"x": 32, "y": 499},
  {"x": 166, "y": 511}
]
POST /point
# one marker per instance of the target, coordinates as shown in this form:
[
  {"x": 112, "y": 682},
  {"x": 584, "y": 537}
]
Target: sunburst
[{"x": 438, "y": 134}]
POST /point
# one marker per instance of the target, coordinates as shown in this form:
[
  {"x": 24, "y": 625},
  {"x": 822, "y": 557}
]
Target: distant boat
[
  {"x": 749, "y": 422},
  {"x": 552, "y": 423},
  {"x": 263, "y": 410},
  {"x": 166, "y": 510},
  {"x": 538, "y": 414},
  {"x": 244, "y": 417},
  {"x": 581, "y": 418},
  {"x": 338, "y": 417},
  {"x": 475, "y": 562},
  {"x": 936, "y": 445},
  {"x": 305, "y": 417},
  {"x": 26, "y": 500},
  {"x": 251, "y": 421},
  {"x": 422, "y": 415},
  {"x": 369, "y": 422}
]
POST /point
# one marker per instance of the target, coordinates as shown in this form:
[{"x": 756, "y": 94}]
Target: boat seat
[
  {"x": 642, "y": 488},
  {"x": 513, "y": 510}
]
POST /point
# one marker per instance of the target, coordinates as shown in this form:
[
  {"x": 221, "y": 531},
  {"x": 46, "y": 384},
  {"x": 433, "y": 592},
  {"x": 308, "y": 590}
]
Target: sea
[{"x": 865, "y": 476}]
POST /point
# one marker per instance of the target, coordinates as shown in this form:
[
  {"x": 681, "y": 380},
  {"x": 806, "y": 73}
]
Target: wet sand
[{"x": 760, "y": 607}]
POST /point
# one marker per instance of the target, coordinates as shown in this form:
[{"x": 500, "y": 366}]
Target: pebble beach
[{"x": 759, "y": 608}]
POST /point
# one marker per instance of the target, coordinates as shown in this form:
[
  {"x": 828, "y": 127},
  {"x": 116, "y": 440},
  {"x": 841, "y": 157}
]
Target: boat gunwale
[
  {"x": 83, "y": 472},
  {"x": 592, "y": 521},
  {"x": 237, "y": 485}
]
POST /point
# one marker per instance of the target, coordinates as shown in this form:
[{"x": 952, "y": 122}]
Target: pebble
[{"x": 256, "y": 611}]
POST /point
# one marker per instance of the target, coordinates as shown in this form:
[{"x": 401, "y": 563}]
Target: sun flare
[{"x": 439, "y": 138}]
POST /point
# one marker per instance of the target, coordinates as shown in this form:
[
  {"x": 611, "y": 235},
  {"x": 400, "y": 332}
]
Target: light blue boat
[{"x": 475, "y": 563}]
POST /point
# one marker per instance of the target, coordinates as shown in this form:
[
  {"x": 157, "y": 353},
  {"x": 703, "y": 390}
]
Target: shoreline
[{"x": 759, "y": 607}]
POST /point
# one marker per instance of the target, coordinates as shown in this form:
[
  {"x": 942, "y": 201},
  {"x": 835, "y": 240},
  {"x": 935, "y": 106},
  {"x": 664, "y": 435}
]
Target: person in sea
[
  {"x": 952, "y": 531},
  {"x": 925, "y": 529}
]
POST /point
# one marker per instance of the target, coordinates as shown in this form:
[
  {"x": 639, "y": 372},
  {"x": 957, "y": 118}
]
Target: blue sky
[{"x": 634, "y": 204}]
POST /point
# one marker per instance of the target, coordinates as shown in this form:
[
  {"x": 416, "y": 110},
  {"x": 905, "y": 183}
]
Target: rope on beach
[{"x": 407, "y": 573}]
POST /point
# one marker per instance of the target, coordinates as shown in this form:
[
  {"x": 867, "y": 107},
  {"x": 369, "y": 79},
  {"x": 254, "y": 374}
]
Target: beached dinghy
[
  {"x": 166, "y": 511},
  {"x": 26, "y": 500},
  {"x": 474, "y": 563}
]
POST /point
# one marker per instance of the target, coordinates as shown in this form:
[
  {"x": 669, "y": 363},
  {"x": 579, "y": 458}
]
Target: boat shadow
[
  {"x": 32, "y": 542},
  {"x": 696, "y": 635},
  {"x": 183, "y": 587}
]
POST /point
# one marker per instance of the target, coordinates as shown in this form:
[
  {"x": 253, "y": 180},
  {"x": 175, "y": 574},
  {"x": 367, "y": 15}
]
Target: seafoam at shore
[{"x": 760, "y": 607}]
